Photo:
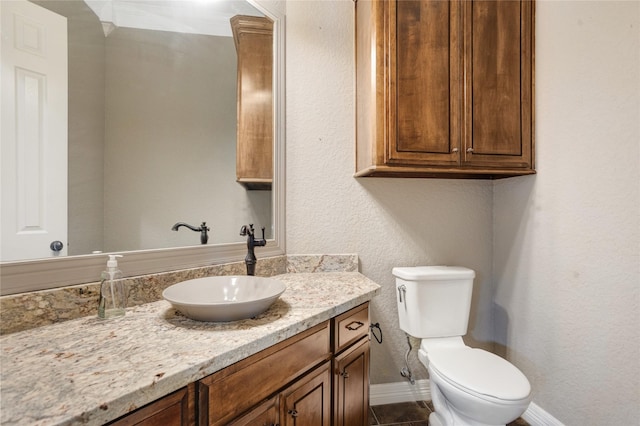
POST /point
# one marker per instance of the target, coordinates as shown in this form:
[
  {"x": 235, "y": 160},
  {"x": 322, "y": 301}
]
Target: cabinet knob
[
  {"x": 454, "y": 150},
  {"x": 293, "y": 413},
  {"x": 344, "y": 374},
  {"x": 470, "y": 150}
]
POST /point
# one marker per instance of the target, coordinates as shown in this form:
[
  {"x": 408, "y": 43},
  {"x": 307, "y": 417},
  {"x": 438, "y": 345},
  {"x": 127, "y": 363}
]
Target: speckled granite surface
[
  {"x": 25, "y": 311},
  {"x": 89, "y": 371}
]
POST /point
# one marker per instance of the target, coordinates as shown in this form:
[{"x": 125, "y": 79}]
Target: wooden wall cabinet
[
  {"x": 444, "y": 88},
  {"x": 253, "y": 37}
]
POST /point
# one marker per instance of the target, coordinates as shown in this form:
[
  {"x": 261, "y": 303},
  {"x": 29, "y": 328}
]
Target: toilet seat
[{"x": 480, "y": 373}]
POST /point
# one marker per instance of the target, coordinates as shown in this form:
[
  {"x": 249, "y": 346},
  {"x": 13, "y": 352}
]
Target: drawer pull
[{"x": 353, "y": 327}]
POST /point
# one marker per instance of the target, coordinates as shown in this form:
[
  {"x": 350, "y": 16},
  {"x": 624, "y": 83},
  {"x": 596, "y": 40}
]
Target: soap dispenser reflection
[{"x": 113, "y": 296}]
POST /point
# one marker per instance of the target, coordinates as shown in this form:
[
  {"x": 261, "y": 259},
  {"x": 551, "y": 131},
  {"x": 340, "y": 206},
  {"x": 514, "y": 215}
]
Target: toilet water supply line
[{"x": 406, "y": 371}]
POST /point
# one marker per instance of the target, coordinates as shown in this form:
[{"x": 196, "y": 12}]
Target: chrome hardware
[
  {"x": 402, "y": 291},
  {"x": 344, "y": 374},
  {"x": 351, "y": 327},
  {"x": 470, "y": 150},
  {"x": 293, "y": 413}
]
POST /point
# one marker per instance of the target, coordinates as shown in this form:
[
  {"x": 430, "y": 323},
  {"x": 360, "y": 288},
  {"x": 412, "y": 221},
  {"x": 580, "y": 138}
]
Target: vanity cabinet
[
  {"x": 444, "y": 88},
  {"x": 319, "y": 377},
  {"x": 253, "y": 37},
  {"x": 351, "y": 367},
  {"x": 225, "y": 395},
  {"x": 177, "y": 408}
]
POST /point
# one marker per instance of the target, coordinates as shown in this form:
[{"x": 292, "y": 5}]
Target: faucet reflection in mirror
[{"x": 203, "y": 229}]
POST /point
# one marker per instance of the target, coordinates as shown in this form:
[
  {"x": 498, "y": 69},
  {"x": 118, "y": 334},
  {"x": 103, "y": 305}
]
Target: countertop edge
[{"x": 140, "y": 393}]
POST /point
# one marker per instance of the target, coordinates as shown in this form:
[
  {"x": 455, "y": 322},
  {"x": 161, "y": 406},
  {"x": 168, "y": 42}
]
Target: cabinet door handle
[
  {"x": 344, "y": 374},
  {"x": 293, "y": 413},
  {"x": 353, "y": 327},
  {"x": 470, "y": 150},
  {"x": 454, "y": 150}
]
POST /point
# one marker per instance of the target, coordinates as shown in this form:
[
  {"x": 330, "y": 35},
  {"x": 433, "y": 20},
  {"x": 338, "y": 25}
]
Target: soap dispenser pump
[{"x": 113, "y": 296}]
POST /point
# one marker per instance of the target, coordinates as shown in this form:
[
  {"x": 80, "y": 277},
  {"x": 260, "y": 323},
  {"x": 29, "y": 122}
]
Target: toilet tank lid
[{"x": 416, "y": 273}]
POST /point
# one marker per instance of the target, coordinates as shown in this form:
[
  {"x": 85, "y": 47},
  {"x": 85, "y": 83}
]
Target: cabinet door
[
  {"x": 424, "y": 51},
  {"x": 265, "y": 414},
  {"x": 227, "y": 393},
  {"x": 498, "y": 55},
  {"x": 351, "y": 385},
  {"x": 176, "y": 409},
  {"x": 307, "y": 402}
]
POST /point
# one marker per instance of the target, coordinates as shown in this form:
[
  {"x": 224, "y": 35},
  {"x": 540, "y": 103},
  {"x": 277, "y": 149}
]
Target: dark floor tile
[
  {"x": 402, "y": 412},
  {"x": 410, "y": 414},
  {"x": 372, "y": 417},
  {"x": 518, "y": 422}
]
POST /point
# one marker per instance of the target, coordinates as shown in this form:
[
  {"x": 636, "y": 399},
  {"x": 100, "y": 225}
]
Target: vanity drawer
[
  {"x": 350, "y": 327},
  {"x": 226, "y": 394}
]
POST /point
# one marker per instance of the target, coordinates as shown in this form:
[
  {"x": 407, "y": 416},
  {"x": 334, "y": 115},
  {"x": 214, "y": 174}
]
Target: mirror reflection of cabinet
[{"x": 253, "y": 37}]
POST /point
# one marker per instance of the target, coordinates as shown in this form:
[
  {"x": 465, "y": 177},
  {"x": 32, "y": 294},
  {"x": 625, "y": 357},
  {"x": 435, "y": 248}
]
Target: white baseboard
[{"x": 392, "y": 393}]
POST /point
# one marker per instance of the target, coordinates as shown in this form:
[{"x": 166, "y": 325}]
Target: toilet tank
[{"x": 434, "y": 301}]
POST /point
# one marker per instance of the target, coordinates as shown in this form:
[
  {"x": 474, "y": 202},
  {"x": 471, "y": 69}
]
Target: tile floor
[{"x": 409, "y": 414}]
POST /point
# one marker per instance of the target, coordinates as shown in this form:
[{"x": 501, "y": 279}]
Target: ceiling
[{"x": 209, "y": 17}]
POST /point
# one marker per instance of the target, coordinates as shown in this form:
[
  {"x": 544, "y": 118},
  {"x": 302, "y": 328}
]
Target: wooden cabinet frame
[{"x": 444, "y": 88}]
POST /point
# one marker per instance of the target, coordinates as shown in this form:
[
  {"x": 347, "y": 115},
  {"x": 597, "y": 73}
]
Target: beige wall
[
  {"x": 388, "y": 222},
  {"x": 567, "y": 243},
  {"x": 557, "y": 254}
]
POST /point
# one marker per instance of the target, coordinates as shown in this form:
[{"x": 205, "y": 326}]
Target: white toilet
[{"x": 469, "y": 387}]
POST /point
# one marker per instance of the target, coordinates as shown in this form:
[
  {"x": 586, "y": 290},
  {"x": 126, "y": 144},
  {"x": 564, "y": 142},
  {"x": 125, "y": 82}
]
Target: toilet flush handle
[{"x": 402, "y": 291}]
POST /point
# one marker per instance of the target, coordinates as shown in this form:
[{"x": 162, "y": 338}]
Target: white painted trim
[
  {"x": 392, "y": 393},
  {"x": 536, "y": 416}
]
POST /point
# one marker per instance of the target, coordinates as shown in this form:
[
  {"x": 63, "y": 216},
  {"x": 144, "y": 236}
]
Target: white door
[{"x": 33, "y": 145}]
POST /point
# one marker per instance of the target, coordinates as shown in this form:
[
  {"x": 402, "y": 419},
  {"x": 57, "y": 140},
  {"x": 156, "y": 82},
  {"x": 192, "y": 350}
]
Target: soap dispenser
[{"x": 113, "y": 296}]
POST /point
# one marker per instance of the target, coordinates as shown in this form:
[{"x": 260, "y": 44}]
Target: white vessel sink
[{"x": 224, "y": 298}]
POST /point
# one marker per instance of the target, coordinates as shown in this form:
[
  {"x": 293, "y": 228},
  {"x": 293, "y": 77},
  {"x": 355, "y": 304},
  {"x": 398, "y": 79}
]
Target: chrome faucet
[
  {"x": 251, "y": 260},
  {"x": 203, "y": 229}
]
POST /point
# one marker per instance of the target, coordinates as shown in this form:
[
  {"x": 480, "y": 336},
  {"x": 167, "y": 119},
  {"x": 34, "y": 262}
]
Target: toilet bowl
[
  {"x": 469, "y": 387},
  {"x": 473, "y": 387}
]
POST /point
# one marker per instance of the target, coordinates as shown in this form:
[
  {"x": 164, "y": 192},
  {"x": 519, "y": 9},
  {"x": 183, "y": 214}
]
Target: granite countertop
[{"x": 90, "y": 371}]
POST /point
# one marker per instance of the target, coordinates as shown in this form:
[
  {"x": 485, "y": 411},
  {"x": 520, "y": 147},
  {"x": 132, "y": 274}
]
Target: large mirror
[{"x": 151, "y": 140}]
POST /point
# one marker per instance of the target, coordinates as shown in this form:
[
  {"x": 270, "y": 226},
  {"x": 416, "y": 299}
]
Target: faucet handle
[{"x": 244, "y": 231}]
